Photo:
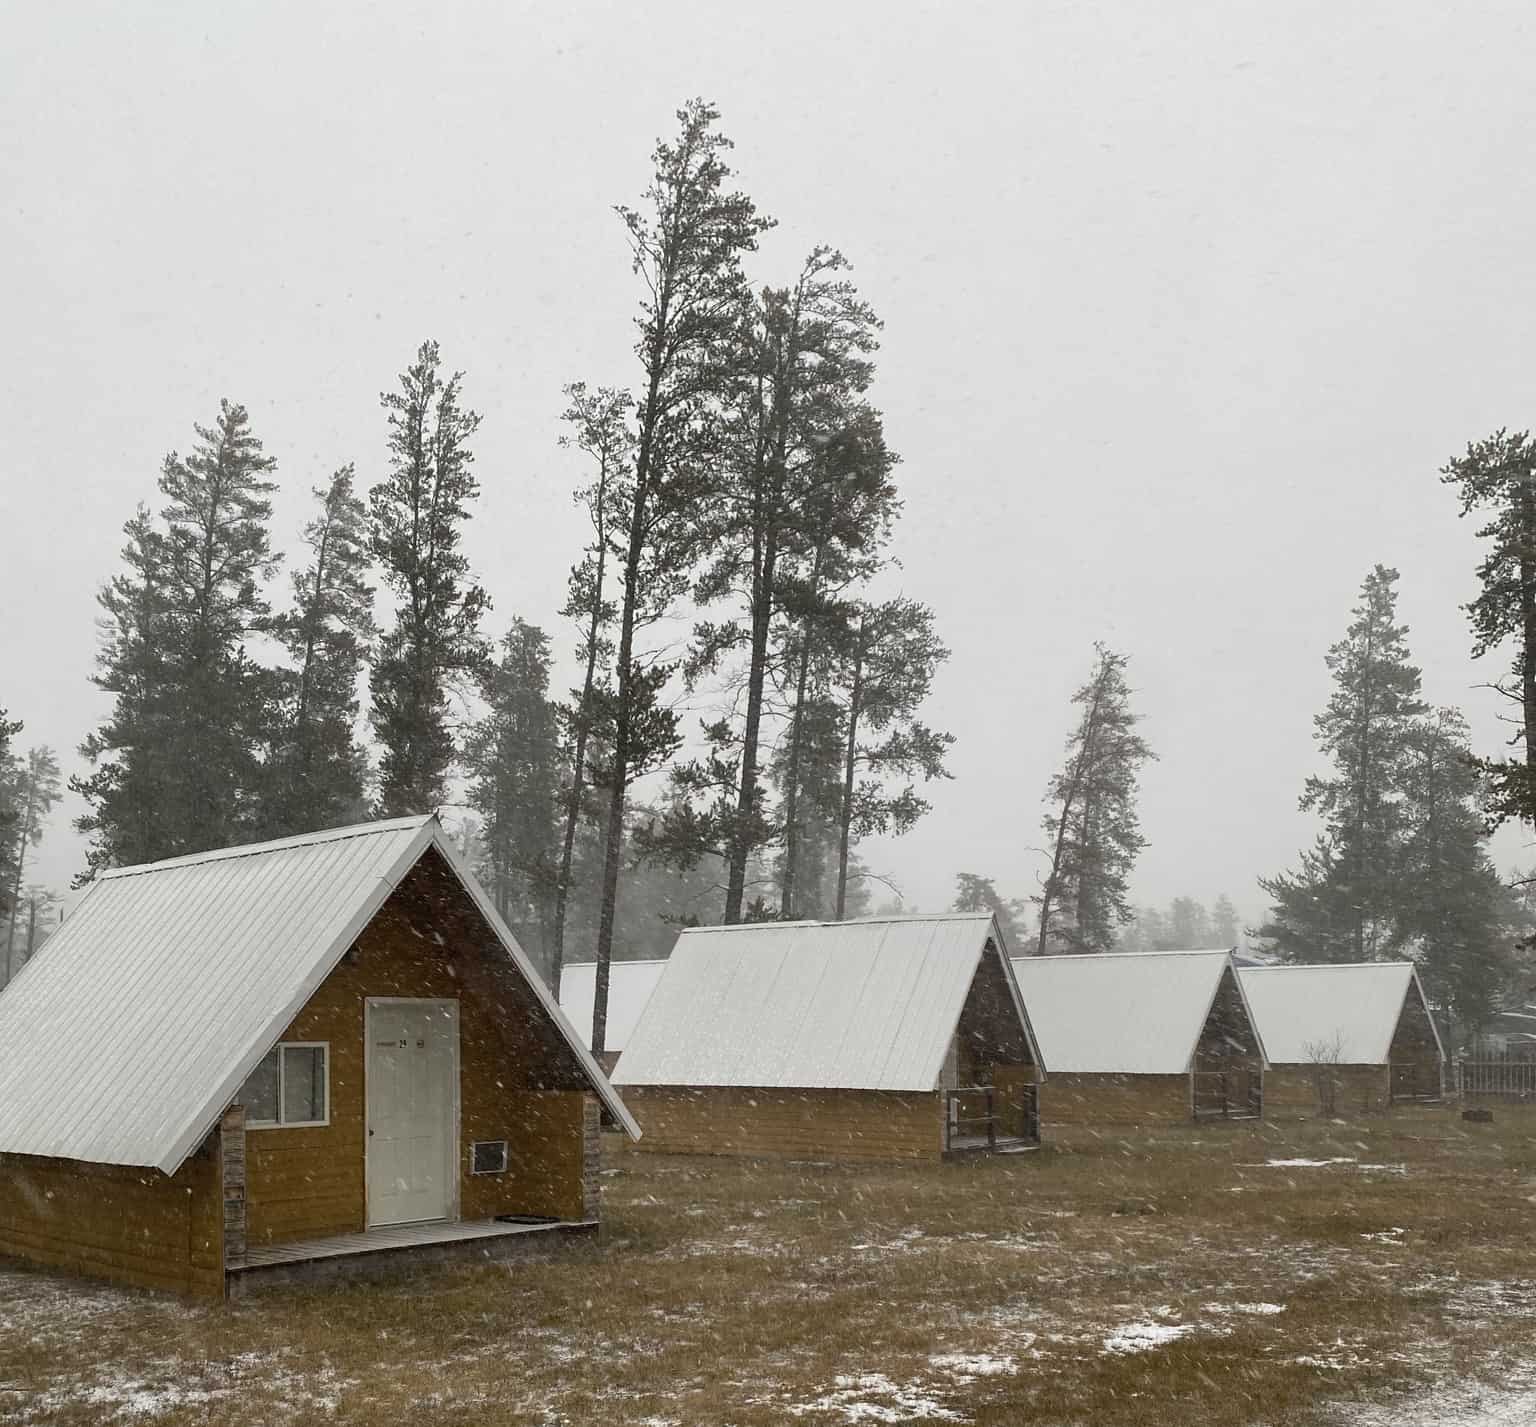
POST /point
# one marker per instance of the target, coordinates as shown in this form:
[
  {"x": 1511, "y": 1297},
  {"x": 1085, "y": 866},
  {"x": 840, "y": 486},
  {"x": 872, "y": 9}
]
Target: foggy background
[{"x": 1183, "y": 314}]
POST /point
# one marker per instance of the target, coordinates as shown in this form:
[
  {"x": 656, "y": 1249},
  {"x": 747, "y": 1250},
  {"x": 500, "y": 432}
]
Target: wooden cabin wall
[
  {"x": 305, "y": 1183},
  {"x": 1415, "y": 1051},
  {"x": 1290, "y": 1091},
  {"x": 835, "y": 1124},
  {"x": 1227, "y": 1040},
  {"x": 137, "y": 1227},
  {"x": 1081, "y": 1098}
]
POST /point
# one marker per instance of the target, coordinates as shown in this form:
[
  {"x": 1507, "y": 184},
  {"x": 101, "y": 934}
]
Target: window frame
[{"x": 324, "y": 1047}]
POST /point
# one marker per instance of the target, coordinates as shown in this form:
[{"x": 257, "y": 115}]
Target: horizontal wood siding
[
  {"x": 131, "y": 1226},
  {"x": 1290, "y": 1091},
  {"x": 835, "y": 1124},
  {"x": 427, "y": 941},
  {"x": 1075, "y": 1098}
]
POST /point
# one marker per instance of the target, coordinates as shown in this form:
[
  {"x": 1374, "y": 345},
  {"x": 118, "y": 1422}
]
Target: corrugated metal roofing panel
[
  {"x": 630, "y": 984},
  {"x": 1132, "y": 1013},
  {"x": 864, "y": 1005},
  {"x": 1354, "y": 1006},
  {"x": 126, "y": 1037}
]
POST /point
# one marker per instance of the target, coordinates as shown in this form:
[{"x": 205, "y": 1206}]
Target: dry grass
[{"x": 990, "y": 1292}]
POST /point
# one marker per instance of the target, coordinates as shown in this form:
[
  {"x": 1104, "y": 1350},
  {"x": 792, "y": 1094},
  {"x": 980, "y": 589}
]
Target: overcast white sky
[{"x": 1185, "y": 306}]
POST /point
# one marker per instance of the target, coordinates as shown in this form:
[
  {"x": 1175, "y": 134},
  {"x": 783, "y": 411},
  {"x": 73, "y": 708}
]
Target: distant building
[
  {"x": 1345, "y": 1038},
  {"x": 886, "y": 1038},
  {"x": 630, "y": 984},
  {"x": 1144, "y": 1037}
]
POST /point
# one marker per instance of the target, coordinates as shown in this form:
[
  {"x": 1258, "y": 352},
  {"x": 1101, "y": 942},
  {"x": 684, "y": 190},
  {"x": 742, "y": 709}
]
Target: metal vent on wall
[{"x": 488, "y": 1157}]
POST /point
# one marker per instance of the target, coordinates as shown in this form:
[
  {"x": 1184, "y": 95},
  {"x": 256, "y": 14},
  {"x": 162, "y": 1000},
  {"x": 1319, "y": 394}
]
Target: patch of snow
[
  {"x": 969, "y": 1366},
  {"x": 1385, "y": 1236},
  {"x": 1144, "y": 1336},
  {"x": 1448, "y": 1407},
  {"x": 1252, "y": 1310},
  {"x": 1298, "y": 1163},
  {"x": 853, "y": 1398}
]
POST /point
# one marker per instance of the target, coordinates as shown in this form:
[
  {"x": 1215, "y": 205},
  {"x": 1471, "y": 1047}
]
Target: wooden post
[{"x": 232, "y": 1166}]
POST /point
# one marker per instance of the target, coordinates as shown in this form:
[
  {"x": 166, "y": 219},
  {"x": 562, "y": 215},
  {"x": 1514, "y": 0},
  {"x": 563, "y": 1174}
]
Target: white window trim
[{"x": 280, "y": 1047}]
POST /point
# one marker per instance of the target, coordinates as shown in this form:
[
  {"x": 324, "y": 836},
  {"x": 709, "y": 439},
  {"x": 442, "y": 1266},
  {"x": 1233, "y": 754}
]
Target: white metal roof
[
  {"x": 1121, "y": 1013},
  {"x": 861, "y": 1005},
  {"x": 129, "y": 1033},
  {"x": 1355, "y": 1006},
  {"x": 630, "y": 984}
]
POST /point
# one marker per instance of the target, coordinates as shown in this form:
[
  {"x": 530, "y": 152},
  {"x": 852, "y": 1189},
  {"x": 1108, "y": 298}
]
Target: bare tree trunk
[{"x": 583, "y": 728}]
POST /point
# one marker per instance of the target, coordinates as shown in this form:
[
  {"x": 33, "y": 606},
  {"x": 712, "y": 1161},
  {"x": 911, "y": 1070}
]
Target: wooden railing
[
  {"x": 982, "y": 1117},
  {"x": 1500, "y": 1077},
  {"x": 1228, "y": 1095}
]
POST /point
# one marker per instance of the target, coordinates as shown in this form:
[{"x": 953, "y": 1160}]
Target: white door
[{"x": 413, "y": 1055}]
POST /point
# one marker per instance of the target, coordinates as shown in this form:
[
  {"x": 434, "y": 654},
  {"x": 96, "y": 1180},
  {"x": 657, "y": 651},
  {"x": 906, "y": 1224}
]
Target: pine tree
[
  {"x": 127, "y": 793},
  {"x": 686, "y": 248},
  {"x": 803, "y": 364},
  {"x": 1364, "y": 729},
  {"x": 974, "y": 893},
  {"x": 1189, "y": 924},
  {"x": 512, "y": 757},
  {"x": 1497, "y": 478},
  {"x": 888, "y": 658},
  {"x": 846, "y": 522},
  {"x": 217, "y": 558},
  {"x": 10, "y": 811},
  {"x": 1224, "y": 925},
  {"x": 598, "y": 422},
  {"x": 1452, "y": 908},
  {"x": 1093, "y": 831},
  {"x": 316, "y": 770},
  {"x": 1342, "y": 904},
  {"x": 417, "y": 514},
  {"x": 177, "y": 764},
  {"x": 35, "y": 787}
]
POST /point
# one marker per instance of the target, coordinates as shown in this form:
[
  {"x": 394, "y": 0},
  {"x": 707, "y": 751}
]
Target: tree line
[{"x": 743, "y": 482}]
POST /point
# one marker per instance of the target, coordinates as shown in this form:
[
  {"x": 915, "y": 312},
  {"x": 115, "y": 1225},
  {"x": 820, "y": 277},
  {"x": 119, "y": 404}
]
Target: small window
[
  {"x": 289, "y": 1087},
  {"x": 488, "y": 1157}
]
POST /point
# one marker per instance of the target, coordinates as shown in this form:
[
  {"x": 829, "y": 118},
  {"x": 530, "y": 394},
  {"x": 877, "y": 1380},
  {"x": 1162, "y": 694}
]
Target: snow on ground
[
  {"x": 966, "y": 1367},
  {"x": 1448, "y": 1407},
  {"x": 873, "y": 1397},
  {"x": 1144, "y": 1336}
]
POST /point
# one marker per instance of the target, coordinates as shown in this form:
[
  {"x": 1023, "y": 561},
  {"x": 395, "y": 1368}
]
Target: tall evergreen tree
[
  {"x": 35, "y": 790},
  {"x": 417, "y": 513},
  {"x": 1364, "y": 729},
  {"x": 1189, "y": 923},
  {"x": 316, "y": 770},
  {"x": 1092, "y": 827},
  {"x": 1224, "y": 926},
  {"x": 598, "y": 422},
  {"x": 1496, "y": 478},
  {"x": 974, "y": 893},
  {"x": 846, "y": 522},
  {"x": 803, "y": 365},
  {"x": 177, "y": 764},
  {"x": 686, "y": 244},
  {"x": 888, "y": 661},
  {"x": 127, "y": 792},
  {"x": 1342, "y": 903},
  {"x": 10, "y": 812},
  {"x": 218, "y": 557},
  {"x": 512, "y": 757},
  {"x": 1452, "y": 909}
]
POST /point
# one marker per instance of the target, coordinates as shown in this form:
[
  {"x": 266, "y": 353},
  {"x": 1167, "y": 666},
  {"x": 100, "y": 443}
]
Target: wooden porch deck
[{"x": 269, "y": 1260}]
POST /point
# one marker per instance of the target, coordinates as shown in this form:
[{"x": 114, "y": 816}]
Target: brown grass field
[{"x": 1110, "y": 1280}]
